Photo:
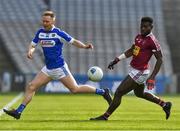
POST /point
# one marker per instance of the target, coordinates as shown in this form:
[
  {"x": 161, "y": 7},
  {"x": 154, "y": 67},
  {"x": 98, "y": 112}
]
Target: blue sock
[
  {"x": 21, "y": 108},
  {"x": 100, "y": 91}
]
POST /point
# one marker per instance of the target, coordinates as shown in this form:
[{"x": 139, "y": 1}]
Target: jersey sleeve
[
  {"x": 35, "y": 39},
  {"x": 65, "y": 36},
  {"x": 155, "y": 45}
]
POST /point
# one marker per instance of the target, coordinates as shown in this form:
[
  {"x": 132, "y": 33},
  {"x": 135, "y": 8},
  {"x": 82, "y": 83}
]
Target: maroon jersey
[{"x": 144, "y": 47}]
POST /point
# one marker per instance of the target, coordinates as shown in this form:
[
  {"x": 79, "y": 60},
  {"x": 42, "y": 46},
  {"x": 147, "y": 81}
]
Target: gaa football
[{"x": 95, "y": 73}]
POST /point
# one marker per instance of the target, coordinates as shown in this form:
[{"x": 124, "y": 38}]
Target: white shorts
[
  {"x": 139, "y": 76},
  {"x": 57, "y": 73}
]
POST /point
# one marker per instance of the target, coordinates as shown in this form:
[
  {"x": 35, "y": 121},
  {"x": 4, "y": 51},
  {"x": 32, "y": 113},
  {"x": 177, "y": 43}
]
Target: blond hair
[{"x": 49, "y": 13}]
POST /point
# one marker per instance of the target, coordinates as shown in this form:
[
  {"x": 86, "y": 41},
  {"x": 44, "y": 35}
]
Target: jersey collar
[
  {"x": 51, "y": 28},
  {"x": 149, "y": 34}
]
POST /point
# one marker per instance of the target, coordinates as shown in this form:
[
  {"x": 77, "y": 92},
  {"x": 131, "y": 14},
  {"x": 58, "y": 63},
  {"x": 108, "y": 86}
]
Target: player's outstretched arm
[
  {"x": 128, "y": 53},
  {"x": 30, "y": 52},
  {"x": 79, "y": 44}
]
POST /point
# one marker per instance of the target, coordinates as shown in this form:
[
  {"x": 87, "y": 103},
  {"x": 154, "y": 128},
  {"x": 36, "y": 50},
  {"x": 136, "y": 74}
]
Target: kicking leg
[
  {"x": 139, "y": 92},
  {"x": 40, "y": 80},
  {"x": 71, "y": 84},
  {"x": 126, "y": 86}
]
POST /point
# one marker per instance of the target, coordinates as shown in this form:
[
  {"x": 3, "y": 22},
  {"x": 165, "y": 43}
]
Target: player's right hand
[
  {"x": 150, "y": 84},
  {"x": 89, "y": 46},
  {"x": 112, "y": 63},
  {"x": 29, "y": 55}
]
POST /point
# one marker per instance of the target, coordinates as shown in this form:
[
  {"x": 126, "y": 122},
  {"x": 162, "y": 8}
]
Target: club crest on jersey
[
  {"x": 53, "y": 35},
  {"x": 136, "y": 50},
  {"x": 139, "y": 40},
  {"x": 47, "y": 43}
]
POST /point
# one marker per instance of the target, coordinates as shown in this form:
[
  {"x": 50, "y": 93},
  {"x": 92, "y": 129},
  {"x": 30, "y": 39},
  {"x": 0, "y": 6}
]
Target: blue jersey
[{"x": 52, "y": 45}]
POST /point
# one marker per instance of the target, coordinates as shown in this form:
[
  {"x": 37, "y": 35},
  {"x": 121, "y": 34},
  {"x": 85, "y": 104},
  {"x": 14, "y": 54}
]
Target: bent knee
[
  {"x": 74, "y": 90},
  {"x": 31, "y": 86},
  {"x": 140, "y": 95}
]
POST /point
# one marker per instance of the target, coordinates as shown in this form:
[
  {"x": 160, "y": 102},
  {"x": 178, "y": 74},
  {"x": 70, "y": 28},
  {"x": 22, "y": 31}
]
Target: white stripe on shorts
[{"x": 57, "y": 73}]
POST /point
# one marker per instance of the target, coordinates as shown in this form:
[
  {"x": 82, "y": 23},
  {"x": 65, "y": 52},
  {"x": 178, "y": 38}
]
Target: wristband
[
  {"x": 151, "y": 81},
  {"x": 122, "y": 56}
]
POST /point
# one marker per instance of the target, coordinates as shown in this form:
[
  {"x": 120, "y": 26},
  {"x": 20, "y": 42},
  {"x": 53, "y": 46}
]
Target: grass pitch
[{"x": 72, "y": 112}]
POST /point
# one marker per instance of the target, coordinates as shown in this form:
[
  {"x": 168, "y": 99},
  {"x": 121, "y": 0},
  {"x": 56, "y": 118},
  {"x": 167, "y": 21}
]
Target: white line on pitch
[{"x": 19, "y": 96}]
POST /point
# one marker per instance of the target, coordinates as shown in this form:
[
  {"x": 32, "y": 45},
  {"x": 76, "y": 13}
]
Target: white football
[{"x": 95, "y": 73}]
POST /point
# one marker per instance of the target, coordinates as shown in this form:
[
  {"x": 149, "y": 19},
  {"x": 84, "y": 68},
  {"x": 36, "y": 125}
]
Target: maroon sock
[{"x": 162, "y": 103}]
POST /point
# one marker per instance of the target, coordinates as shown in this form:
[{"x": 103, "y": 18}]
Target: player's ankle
[
  {"x": 162, "y": 103},
  {"x": 106, "y": 115}
]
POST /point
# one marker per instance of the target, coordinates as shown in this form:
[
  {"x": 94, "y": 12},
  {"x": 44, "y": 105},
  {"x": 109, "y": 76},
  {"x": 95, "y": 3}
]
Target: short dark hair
[
  {"x": 49, "y": 13},
  {"x": 147, "y": 19}
]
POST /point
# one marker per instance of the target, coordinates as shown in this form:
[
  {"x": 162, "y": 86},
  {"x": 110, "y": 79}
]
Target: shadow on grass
[
  {"x": 36, "y": 121},
  {"x": 74, "y": 121}
]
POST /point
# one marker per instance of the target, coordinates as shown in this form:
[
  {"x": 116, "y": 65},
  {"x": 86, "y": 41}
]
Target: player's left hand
[
  {"x": 112, "y": 63},
  {"x": 89, "y": 46},
  {"x": 150, "y": 84}
]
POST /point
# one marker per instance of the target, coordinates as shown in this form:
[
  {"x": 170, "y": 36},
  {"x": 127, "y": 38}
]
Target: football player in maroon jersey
[{"x": 145, "y": 45}]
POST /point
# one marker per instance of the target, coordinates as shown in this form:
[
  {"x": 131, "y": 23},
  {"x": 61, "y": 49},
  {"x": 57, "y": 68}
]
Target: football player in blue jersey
[{"x": 50, "y": 38}]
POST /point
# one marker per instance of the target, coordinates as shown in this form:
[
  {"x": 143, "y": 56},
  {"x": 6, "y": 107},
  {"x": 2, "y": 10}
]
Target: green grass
[{"x": 72, "y": 112}]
